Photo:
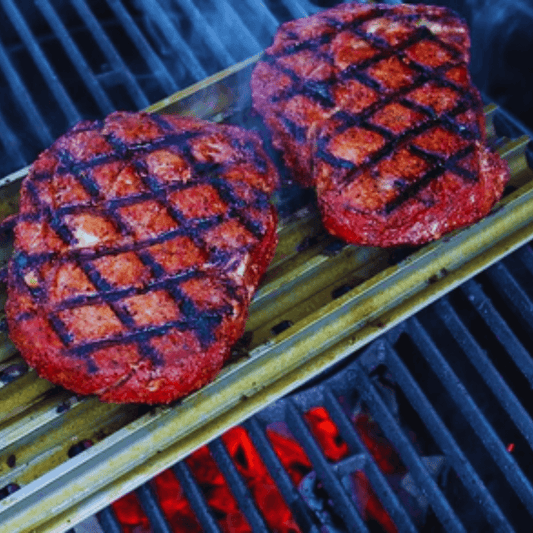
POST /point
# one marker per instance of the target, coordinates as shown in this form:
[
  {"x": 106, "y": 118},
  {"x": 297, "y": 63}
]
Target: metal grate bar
[
  {"x": 386, "y": 495},
  {"x": 111, "y": 53},
  {"x": 344, "y": 504},
  {"x": 266, "y": 15},
  {"x": 525, "y": 255},
  {"x": 246, "y": 35},
  {"x": 418, "y": 470},
  {"x": 237, "y": 486},
  {"x": 295, "y": 9},
  {"x": 446, "y": 442},
  {"x": 152, "y": 509},
  {"x": 108, "y": 521},
  {"x": 195, "y": 497},
  {"x": 486, "y": 369},
  {"x": 157, "y": 66},
  {"x": 279, "y": 475},
  {"x": 164, "y": 23},
  {"x": 11, "y": 142},
  {"x": 85, "y": 72},
  {"x": 509, "y": 288},
  {"x": 210, "y": 35},
  {"x": 472, "y": 413},
  {"x": 56, "y": 87},
  {"x": 497, "y": 324},
  {"x": 23, "y": 97}
]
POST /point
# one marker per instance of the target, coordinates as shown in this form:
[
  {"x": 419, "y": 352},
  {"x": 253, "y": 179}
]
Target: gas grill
[{"x": 394, "y": 418}]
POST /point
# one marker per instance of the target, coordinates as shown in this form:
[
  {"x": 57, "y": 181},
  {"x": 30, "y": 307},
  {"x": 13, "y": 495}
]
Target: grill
[{"x": 458, "y": 375}]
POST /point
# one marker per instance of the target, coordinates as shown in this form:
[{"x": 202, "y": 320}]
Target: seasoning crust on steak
[
  {"x": 374, "y": 106},
  {"x": 139, "y": 244}
]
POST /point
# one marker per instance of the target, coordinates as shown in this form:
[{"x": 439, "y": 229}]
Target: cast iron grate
[{"x": 446, "y": 396}]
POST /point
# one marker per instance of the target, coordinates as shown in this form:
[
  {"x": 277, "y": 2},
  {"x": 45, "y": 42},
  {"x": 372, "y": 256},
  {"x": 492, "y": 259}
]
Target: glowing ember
[
  {"x": 276, "y": 512},
  {"x": 217, "y": 492},
  {"x": 327, "y": 434},
  {"x": 130, "y": 514},
  {"x": 175, "y": 506},
  {"x": 262, "y": 487},
  {"x": 510, "y": 447}
]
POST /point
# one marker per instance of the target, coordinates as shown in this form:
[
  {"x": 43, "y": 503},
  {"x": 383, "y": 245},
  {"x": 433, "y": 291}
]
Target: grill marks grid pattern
[
  {"x": 124, "y": 241},
  {"x": 321, "y": 92},
  {"x": 64, "y": 61},
  {"x": 496, "y": 492}
]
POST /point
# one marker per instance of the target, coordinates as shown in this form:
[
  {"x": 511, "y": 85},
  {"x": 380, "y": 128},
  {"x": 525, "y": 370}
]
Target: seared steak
[
  {"x": 373, "y": 105},
  {"x": 139, "y": 244}
]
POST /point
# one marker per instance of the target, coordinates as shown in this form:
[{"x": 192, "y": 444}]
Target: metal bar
[
  {"x": 108, "y": 521},
  {"x": 152, "y": 509},
  {"x": 295, "y": 9},
  {"x": 107, "y": 47},
  {"x": 31, "y": 43},
  {"x": 498, "y": 326},
  {"x": 266, "y": 15},
  {"x": 164, "y": 23},
  {"x": 418, "y": 470},
  {"x": 509, "y": 288},
  {"x": 237, "y": 486},
  {"x": 157, "y": 66},
  {"x": 446, "y": 442},
  {"x": 211, "y": 36},
  {"x": 24, "y": 98},
  {"x": 343, "y": 503},
  {"x": 246, "y": 36},
  {"x": 279, "y": 474},
  {"x": 472, "y": 413},
  {"x": 195, "y": 497},
  {"x": 11, "y": 143},
  {"x": 70, "y": 47},
  {"x": 386, "y": 495},
  {"x": 486, "y": 369}
]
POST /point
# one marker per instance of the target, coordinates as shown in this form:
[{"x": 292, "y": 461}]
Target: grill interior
[
  {"x": 449, "y": 389},
  {"x": 321, "y": 300}
]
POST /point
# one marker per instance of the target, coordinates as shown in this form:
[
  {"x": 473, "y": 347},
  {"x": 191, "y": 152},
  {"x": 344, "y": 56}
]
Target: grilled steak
[
  {"x": 373, "y": 105},
  {"x": 139, "y": 244}
]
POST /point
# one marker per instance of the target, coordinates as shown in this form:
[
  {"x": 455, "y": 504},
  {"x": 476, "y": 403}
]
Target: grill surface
[
  {"x": 462, "y": 370},
  {"x": 321, "y": 300}
]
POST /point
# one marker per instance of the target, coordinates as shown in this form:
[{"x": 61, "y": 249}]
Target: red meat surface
[
  {"x": 373, "y": 105},
  {"x": 140, "y": 242}
]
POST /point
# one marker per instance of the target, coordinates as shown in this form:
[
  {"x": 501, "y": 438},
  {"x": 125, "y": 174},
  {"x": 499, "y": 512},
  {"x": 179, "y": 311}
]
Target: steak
[
  {"x": 374, "y": 106},
  {"x": 139, "y": 244}
]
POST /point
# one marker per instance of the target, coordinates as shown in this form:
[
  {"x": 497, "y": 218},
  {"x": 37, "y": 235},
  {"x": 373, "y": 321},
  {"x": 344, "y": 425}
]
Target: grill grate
[
  {"x": 495, "y": 497},
  {"x": 67, "y": 61},
  {"x": 127, "y": 54}
]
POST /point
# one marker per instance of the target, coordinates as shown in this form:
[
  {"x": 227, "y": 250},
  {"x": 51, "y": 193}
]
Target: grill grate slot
[
  {"x": 278, "y": 473},
  {"x": 449, "y": 447},
  {"x": 163, "y": 22},
  {"x": 394, "y": 433},
  {"x": 24, "y": 99},
  {"x": 238, "y": 487},
  {"x": 152, "y": 509},
  {"x": 486, "y": 369},
  {"x": 494, "y": 320},
  {"x": 195, "y": 497},
  {"x": 386, "y": 495},
  {"x": 115, "y": 60},
  {"x": 151, "y": 58},
  {"x": 472, "y": 413},
  {"x": 104, "y": 103},
  {"x": 202, "y": 28},
  {"x": 28, "y": 38},
  {"x": 343, "y": 503}
]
